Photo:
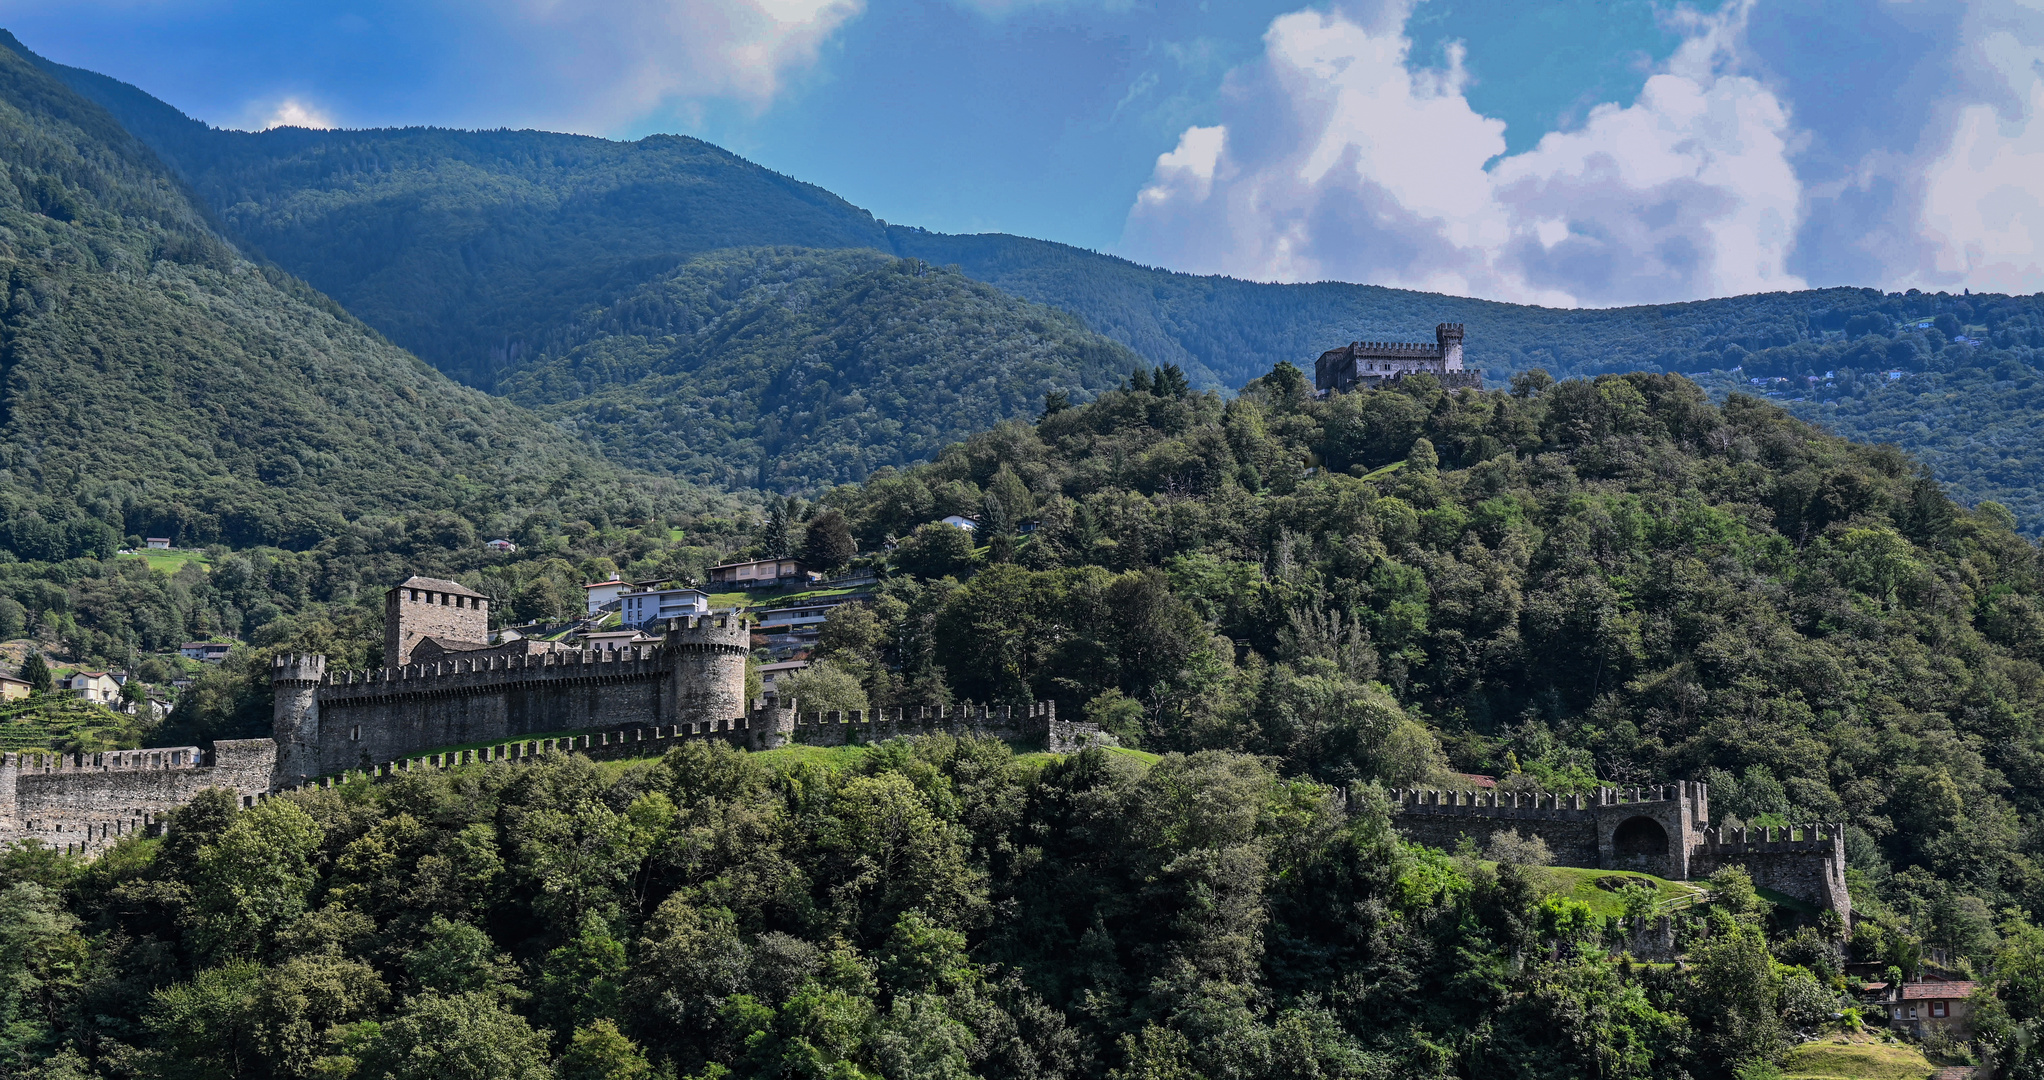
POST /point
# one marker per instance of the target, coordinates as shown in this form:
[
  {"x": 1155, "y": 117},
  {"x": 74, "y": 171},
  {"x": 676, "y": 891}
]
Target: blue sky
[{"x": 1569, "y": 152}]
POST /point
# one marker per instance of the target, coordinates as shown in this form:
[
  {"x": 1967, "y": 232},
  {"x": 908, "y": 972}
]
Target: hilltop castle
[
  {"x": 1374, "y": 364},
  {"x": 443, "y": 684},
  {"x": 1656, "y": 830}
]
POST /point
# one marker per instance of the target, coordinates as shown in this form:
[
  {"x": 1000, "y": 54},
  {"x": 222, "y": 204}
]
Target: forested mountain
[
  {"x": 479, "y": 249},
  {"x": 788, "y": 368},
  {"x": 153, "y": 382},
  {"x": 1296, "y": 602}
]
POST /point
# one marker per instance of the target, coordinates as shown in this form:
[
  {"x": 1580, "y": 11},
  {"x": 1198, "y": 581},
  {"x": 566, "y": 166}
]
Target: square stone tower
[{"x": 426, "y": 607}]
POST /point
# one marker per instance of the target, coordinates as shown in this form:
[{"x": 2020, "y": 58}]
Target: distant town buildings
[
  {"x": 763, "y": 574},
  {"x": 210, "y": 652},
  {"x": 603, "y": 595},
  {"x": 636, "y": 609}
]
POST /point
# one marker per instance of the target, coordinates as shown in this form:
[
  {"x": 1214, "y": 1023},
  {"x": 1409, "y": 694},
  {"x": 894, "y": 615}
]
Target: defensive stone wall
[
  {"x": 1803, "y": 861},
  {"x": 1038, "y": 722},
  {"x": 389, "y": 713},
  {"x": 80, "y": 803},
  {"x": 1657, "y": 830},
  {"x": 766, "y": 727},
  {"x": 330, "y": 721}
]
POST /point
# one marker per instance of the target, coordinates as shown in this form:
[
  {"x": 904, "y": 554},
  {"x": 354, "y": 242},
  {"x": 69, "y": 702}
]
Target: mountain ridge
[
  {"x": 476, "y": 248},
  {"x": 154, "y": 382}
]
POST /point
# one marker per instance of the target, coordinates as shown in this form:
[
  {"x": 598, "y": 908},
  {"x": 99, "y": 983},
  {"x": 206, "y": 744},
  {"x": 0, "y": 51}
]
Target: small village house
[
  {"x": 637, "y": 609},
  {"x": 1931, "y": 1005},
  {"x": 613, "y": 640},
  {"x": 763, "y": 574},
  {"x": 13, "y": 689},
  {"x": 501, "y": 546},
  {"x": 157, "y": 543},
  {"x": 94, "y": 686},
  {"x": 205, "y": 651},
  {"x": 771, "y": 674},
  {"x": 602, "y": 596}
]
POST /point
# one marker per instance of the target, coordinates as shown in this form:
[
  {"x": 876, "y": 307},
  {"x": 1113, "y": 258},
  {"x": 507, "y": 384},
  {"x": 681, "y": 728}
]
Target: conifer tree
[{"x": 36, "y": 672}]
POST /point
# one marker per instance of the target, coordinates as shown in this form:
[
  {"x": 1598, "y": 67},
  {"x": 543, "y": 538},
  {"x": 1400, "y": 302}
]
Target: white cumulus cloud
[
  {"x": 603, "y": 61},
  {"x": 1336, "y": 160},
  {"x": 294, "y": 112},
  {"x": 1982, "y": 206}
]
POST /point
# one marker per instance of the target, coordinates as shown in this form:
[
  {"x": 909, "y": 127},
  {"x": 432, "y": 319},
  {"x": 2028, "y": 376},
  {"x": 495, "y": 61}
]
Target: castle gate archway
[{"x": 1640, "y": 843}]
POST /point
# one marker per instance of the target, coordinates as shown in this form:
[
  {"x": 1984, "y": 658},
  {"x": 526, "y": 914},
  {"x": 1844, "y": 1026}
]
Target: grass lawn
[
  {"x": 830, "y": 757},
  {"x": 1856, "y": 1057},
  {"x": 1582, "y": 884},
  {"x": 1801, "y": 907},
  {"x": 170, "y": 562},
  {"x": 1379, "y": 474}
]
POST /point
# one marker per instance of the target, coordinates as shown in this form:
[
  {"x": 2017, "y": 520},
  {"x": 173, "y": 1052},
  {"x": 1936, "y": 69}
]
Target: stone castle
[
  {"x": 1655, "y": 830},
  {"x": 1371, "y": 365},
  {"x": 443, "y": 684}
]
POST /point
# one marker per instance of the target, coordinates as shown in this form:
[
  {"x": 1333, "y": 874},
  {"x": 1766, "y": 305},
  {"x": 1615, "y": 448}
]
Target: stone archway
[{"x": 1640, "y": 843}]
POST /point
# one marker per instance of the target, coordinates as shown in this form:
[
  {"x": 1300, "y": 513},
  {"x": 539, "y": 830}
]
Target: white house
[
  {"x": 613, "y": 640},
  {"x": 958, "y": 522},
  {"x": 158, "y": 543},
  {"x": 802, "y": 618},
  {"x": 211, "y": 652},
  {"x": 603, "y": 595},
  {"x": 93, "y": 686},
  {"x": 636, "y": 609},
  {"x": 501, "y": 546}
]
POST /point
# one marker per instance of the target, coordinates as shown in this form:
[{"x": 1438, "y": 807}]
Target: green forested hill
[
  {"x": 786, "y": 368},
  {"x": 482, "y": 249},
  {"x": 1293, "y": 603},
  {"x": 467, "y": 247},
  {"x": 153, "y": 382},
  {"x": 1602, "y": 581}
]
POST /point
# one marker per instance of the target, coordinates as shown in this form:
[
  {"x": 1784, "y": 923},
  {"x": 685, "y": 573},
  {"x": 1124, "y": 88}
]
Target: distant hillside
[
  {"x": 154, "y": 382},
  {"x": 481, "y": 249},
  {"x": 785, "y": 368}
]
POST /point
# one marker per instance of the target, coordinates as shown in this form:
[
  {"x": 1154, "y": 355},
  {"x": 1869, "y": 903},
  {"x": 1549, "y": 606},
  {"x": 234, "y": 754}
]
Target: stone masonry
[
  {"x": 445, "y": 685},
  {"x": 1371, "y": 365},
  {"x": 1655, "y": 830},
  {"x": 80, "y": 803}
]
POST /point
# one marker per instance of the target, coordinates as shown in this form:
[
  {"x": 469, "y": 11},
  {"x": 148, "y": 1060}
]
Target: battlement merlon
[
  {"x": 719, "y": 632},
  {"x": 1486, "y": 800},
  {"x": 297, "y": 667},
  {"x": 1448, "y": 336}
]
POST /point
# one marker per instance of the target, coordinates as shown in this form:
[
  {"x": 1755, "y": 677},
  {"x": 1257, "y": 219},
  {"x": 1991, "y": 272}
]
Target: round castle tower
[
  {"x": 294, "y": 718},
  {"x": 707, "y": 656}
]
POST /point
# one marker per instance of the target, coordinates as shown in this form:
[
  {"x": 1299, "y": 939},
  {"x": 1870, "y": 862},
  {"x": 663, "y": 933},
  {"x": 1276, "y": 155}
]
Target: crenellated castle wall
[
  {"x": 1657, "y": 830},
  {"x": 81, "y": 803},
  {"x": 387, "y": 714},
  {"x": 329, "y": 721}
]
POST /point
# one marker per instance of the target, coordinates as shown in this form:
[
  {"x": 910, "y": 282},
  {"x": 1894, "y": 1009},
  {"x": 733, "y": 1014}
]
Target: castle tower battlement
[
  {"x": 443, "y": 685},
  {"x": 423, "y": 608},
  {"x": 1376, "y": 364}
]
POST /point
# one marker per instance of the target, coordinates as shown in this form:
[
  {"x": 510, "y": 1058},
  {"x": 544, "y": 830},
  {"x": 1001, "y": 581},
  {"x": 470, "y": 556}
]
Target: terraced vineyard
[{"x": 65, "y": 723}]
